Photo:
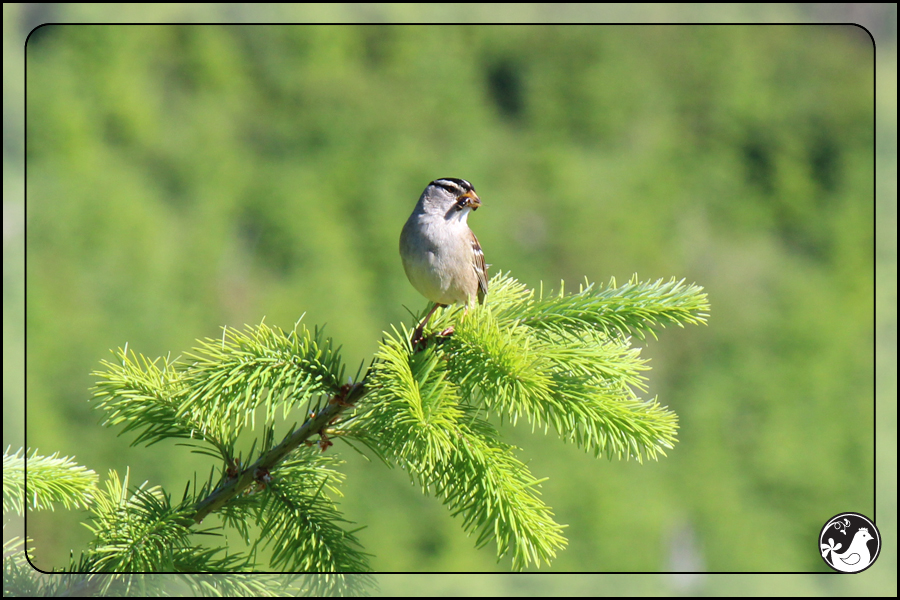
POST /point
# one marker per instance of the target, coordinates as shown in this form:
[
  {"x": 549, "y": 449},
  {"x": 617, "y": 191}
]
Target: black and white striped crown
[{"x": 453, "y": 185}]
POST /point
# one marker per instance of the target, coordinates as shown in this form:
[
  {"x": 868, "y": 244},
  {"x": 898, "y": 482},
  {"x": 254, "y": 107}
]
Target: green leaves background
[{"x": 182, "y": 178}]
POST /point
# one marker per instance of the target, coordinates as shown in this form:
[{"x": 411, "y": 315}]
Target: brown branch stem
[{"x": 268, "y": 461}]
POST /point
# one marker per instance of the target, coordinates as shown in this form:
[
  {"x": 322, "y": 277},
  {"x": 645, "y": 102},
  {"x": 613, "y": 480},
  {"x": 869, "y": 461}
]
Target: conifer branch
[
  {"x": 50, "y": 480},
  {"x": 259, "y": 471},
  {"x": 560, "y": 362},
  {"x": 141, "y": 530},
  {"x": 418, "y": 419},
  {"x": 634, "y": 308}
]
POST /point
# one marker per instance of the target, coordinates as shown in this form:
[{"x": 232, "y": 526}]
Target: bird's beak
[{"x": 469, "y": 199}]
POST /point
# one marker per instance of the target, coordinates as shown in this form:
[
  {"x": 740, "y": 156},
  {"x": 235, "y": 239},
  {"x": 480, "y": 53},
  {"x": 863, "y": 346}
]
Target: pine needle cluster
[{"x": 559, "y": 362}]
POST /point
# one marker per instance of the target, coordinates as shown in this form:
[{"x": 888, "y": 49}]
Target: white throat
[{"x": 462, "y": 216}]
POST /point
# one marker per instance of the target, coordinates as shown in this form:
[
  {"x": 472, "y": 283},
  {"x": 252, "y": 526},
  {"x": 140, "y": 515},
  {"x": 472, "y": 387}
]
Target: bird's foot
[{"x": 419, "y": 341}]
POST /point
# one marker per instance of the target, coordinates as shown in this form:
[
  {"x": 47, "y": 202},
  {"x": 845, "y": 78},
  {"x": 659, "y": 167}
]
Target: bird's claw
[{"x": 419, "y": 341}]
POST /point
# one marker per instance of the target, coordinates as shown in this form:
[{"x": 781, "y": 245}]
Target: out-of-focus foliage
[
  {"x": 51, "y": 480},
  {"x": 181, "y": 178}
]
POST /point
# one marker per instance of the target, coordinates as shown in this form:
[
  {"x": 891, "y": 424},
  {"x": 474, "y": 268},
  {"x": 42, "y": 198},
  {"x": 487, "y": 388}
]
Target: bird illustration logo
[{"x": 859, "y": 554}]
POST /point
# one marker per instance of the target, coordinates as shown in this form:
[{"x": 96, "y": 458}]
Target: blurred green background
[{"x": 181, "y": 178}]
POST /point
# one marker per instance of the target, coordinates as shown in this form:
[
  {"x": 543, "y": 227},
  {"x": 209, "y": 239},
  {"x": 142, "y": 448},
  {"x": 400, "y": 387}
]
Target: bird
[
  {"x": 855, "y": 558},
  {"x": 441, "y": 255}
]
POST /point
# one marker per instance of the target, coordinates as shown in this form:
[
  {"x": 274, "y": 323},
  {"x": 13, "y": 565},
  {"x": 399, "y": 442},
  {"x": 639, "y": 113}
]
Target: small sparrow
[{"x": 441, "y": 256}]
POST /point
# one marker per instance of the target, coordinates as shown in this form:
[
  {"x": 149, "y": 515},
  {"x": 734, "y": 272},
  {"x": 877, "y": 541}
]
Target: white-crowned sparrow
[{"x": 441, "y": 256}]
